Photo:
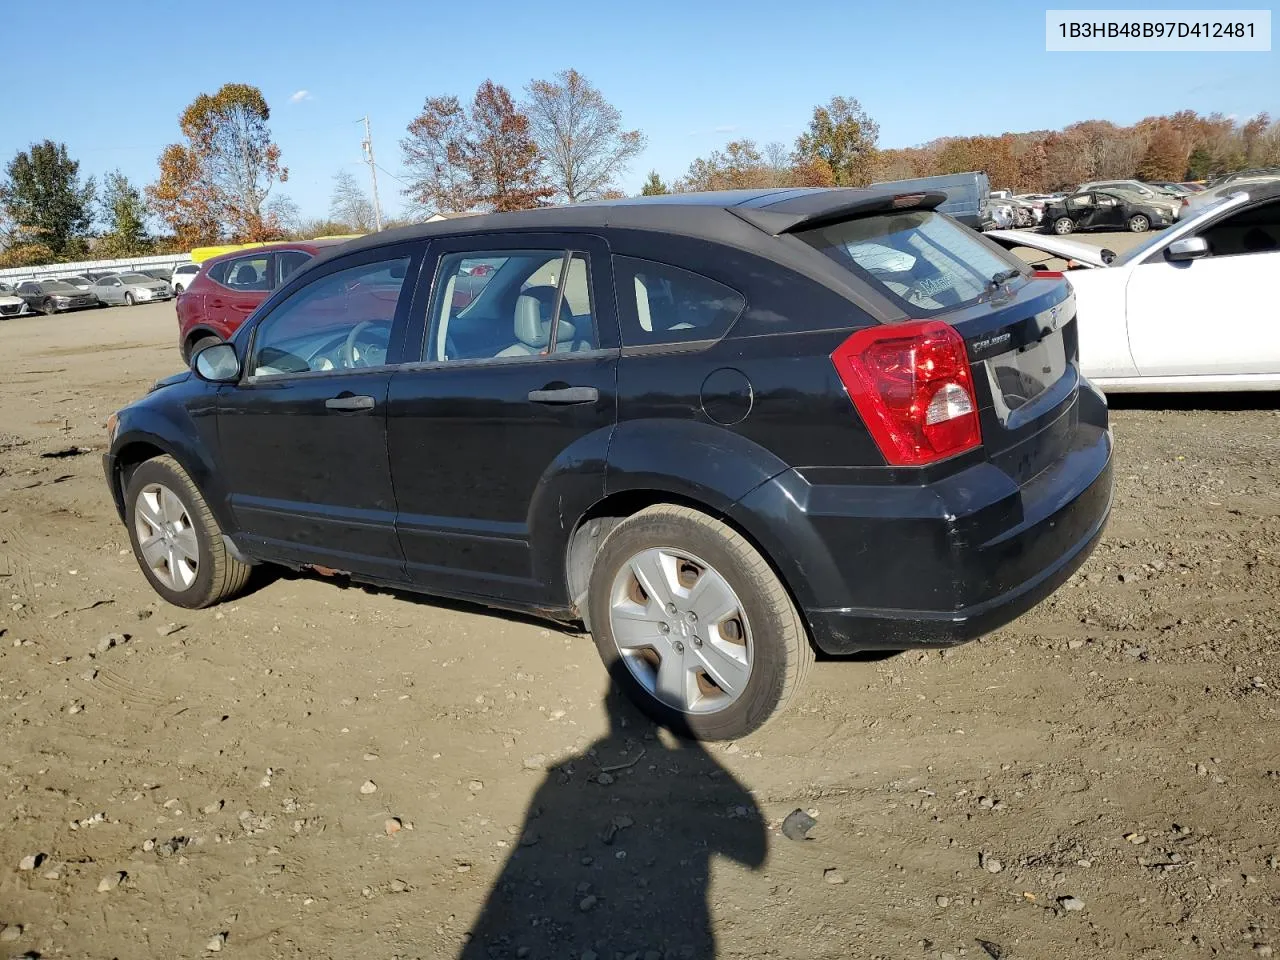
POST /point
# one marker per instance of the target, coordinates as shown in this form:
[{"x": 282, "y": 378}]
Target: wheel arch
[
  {"x": 195, "y": 334},
  {"x": 138, "y": 446}
]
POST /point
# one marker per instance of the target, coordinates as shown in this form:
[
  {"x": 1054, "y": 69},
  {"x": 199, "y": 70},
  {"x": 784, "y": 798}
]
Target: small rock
[
  {"x": 399, "y": 886},
  {"x": 942, "y": 901},
  {"x": 1135, "y": 838},
  {"x": 1202, "y": 770},
  {"x": 89, "y": 676},
  {"x": 604, "y": 779},
  {"x": 989, "y": 863},
  {"x": 51, "y": 874},
  {"x": 535, "y": 762},
  {"x": 1070, "y": 904},
  {"x": 75, "y": 708},
  {"x": 148, "y": 845},
  {"x": 11, "y": 933},
  {"x": 475, "y": 786},
  {"x": 797, "y": 825},
  {"x": 1075, "y": 644},
  {"x": 106, "y": 643},
  {"x": 588, "y": 902},
  {"x": 521, "y": 953},
  {"x": 111, "y": 881},
  {"x": 732, "y": 748},
  {"x": 212, "y": 807},
  {"x": 31, "y": 861},
  {"x": 986, "y": 802},
  {"x": 392, "y": 826},
  {"x": 368, "y": 787},
  {"x": 832, "y": 875},
  {"x": 1262, "y": 949},
  {"x": 215, "y": 943},
  {"x": 168, "y": 629},
  {"x": 994, "y": 950}
]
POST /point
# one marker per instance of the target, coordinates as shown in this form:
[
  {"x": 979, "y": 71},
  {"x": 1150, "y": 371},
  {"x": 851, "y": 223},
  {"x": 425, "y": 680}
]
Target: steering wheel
[{"x": 349, "y": 356}]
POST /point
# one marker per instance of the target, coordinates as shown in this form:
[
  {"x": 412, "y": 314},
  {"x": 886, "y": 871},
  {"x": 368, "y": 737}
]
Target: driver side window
[{"x": 340, "y": 321}]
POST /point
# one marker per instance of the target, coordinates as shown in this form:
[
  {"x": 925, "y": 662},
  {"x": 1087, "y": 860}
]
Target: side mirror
[
  {"x": 217, "y": 363},
  {"x": 1188, "y": 248}
]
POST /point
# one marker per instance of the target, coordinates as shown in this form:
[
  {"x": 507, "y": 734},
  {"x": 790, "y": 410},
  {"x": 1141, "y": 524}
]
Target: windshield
[
  {"x": 135, "y": 278},
  {"x": 58, "y": 286},
  {"x": 5, "y": 288},
  {"x": 1156, "y": 238},
  {"x": 921, "y": 259}
]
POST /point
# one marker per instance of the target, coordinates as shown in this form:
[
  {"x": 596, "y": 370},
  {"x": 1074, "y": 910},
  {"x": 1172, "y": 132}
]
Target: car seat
[{"x": 532, "y": 329}]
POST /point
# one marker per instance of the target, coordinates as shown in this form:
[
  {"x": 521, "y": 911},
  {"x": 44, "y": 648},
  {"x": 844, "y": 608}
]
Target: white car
[
  {"x": 183, "y": 274},
  {"x": 10, "y": 304},
  {"x": 1038, "y": 249},
  {"x": 1190, "y": 309}
]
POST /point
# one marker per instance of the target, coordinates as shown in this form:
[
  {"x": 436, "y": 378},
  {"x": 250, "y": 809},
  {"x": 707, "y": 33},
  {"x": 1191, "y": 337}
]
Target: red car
[{"x": 229, "y": 288}]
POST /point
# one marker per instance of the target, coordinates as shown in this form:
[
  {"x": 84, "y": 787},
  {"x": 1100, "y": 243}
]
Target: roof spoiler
[{"x": 825, "y": 207}]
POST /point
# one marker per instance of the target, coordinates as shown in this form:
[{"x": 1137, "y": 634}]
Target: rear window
[
  {"x": 920, "y": 259},
  {"x": 659, "y": 303}
]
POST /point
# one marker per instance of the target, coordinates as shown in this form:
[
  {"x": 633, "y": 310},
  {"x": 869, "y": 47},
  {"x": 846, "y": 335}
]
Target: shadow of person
[{"x": 615, "y": 853}]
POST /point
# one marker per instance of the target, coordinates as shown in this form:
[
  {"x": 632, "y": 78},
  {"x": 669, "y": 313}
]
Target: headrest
[{"x": 533, "y": 323}]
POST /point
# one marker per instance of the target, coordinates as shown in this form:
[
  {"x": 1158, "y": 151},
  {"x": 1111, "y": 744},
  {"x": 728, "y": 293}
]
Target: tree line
[{"x": 559, "y": 141}]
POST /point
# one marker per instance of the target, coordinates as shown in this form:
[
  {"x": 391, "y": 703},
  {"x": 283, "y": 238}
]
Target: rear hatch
[{"x": 1018, "y": 329}]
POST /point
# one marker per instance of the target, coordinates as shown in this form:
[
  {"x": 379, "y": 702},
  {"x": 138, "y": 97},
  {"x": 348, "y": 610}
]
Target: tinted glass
[
  {"x": 660, "y": 303},
  {"x": 1256, "y": 230},
  {"x": 218, "y": 272},
  {"x": 136, "y": 278},
  {"x": 288, "y": 262},
  {"x": 921, "y": 259},
  {"x": 248, "y": 273},
  {"x": 498, "y": 305},
  {"x": 338, "y": 321},
  {"x": 57, "y": 286}
]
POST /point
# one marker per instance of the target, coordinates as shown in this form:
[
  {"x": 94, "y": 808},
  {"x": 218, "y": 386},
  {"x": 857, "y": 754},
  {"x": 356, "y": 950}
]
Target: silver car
[{"x": 131, "y": 288}]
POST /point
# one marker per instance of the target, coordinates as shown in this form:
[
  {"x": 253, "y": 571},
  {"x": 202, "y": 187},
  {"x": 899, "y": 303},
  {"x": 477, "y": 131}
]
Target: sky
[{"x": 691, "y": 75}]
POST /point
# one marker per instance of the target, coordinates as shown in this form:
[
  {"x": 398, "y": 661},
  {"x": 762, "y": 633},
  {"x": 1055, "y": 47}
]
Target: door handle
[
  {"x": 565, "y": 395},
  {"x": 348, "y": 402}
]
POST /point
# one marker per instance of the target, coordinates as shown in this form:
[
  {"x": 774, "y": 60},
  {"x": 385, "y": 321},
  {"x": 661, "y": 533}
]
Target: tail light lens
[
  {"x": 913, "y": 388},
  {"x": 1049, "y": 274}
]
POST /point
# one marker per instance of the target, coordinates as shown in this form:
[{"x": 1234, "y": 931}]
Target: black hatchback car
[{"x": 721, "y": 430}]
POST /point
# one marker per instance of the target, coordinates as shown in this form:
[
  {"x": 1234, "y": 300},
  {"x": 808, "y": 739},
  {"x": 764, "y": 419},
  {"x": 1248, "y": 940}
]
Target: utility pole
[{"x": 367, "y": 144}]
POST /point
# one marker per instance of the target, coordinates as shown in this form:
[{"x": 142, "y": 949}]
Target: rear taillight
[
  {"x": 1048, "y": 274},
  {"x": 913, "y": 388}
]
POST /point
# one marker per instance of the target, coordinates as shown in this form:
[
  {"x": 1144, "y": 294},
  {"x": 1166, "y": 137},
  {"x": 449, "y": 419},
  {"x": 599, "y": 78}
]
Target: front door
[
  {"x": 303, "y": 436},
  {"x": 1109, "y": 211},
  {"x": 1212, "y": 315},
  {"x": 505, "y": 422}
]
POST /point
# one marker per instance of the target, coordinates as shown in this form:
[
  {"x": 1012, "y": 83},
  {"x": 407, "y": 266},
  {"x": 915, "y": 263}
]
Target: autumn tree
[
  {"x": 844, "y": 137},
  {"x": 653, "y": 186},
  {"x": 350, "y": 205},
  {"x": 579, "y": 135},
  {"x": 43, "y": 196},
  {"x": 1165, "y": 157},
  {"x": 740, "y": 166},
  {"x": 501, "y": 156},
  {"x": 125, "y": 214},
  {"x": 486, "y": 158},
  {"x": 433, "y": 154},
  {"x": 217, "y": 181}
]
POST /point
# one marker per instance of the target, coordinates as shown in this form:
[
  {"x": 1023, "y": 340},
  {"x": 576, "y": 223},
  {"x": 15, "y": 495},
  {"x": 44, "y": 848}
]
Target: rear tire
[
  {"x": 750, "y": 632},
  {"x": 1138, "y": 223},
  {"x": 1063, "y": 225},
  {"x": 176, "y": 540}
]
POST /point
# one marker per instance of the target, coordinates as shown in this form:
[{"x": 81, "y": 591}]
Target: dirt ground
[{"x": 313, "y": 772}]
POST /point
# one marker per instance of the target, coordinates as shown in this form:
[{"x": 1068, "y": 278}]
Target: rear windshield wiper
[{"x": 1004, "y": 275}]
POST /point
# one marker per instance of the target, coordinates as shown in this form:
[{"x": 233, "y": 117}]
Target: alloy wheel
[
  {"x": 166, "y": 537},
  {"x": 681, "y": 630}
]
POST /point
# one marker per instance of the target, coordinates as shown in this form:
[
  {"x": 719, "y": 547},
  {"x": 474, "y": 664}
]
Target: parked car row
[{"x": 81, "y": 291}]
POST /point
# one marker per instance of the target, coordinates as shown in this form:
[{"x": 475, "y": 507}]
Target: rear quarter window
[
  {"x": 659, "y": 303},
  {"x": 920, "y": 259}
]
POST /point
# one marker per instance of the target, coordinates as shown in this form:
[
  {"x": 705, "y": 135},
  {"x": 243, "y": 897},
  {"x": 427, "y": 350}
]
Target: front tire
[
  {"x": 1063, "y": 225},
  {"x": 1139, "y": 223},
  {"x": 692, "y": 622},
  {"x": 176, "y": 540},
  {"x": 128, "y": 299},
  {"x": 48, "y": 308}
]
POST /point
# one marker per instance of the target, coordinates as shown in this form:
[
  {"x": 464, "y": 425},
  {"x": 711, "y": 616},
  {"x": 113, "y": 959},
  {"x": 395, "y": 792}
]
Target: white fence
[{"x": 16, "y": 274}]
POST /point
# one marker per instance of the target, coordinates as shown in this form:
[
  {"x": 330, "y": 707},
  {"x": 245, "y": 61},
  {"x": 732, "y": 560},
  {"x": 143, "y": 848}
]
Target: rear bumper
[{"x": 894, "y": 567}]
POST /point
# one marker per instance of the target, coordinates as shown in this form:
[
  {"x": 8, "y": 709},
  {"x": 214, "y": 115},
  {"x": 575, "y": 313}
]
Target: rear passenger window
[
  {"x": 248, "y": 273},
  {"x": 503, "y": 305},
  {"x": 660, "y": 303}
]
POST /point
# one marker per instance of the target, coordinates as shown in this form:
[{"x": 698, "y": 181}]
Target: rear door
[
  {"x": 507, "y": 412},
  {"x": 1212, "y": 315}
]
